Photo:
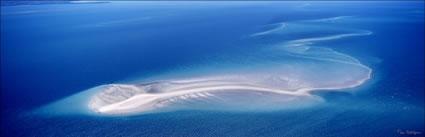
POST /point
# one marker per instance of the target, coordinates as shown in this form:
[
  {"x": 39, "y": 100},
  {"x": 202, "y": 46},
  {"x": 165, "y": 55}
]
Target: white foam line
[
  {"x": 200, "y": 94},
  {"x": 307, "y": 41},
  {"x": 282, "y": 25},
  {"x": 209, "y": 94},
  {"x": 193, "y": 96},
  {"x": 329, "y": 19},
  {"x": 278, "y": 28}
]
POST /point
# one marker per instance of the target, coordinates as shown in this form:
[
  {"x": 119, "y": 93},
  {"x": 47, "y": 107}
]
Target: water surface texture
[{"x": 212, "y": 69}]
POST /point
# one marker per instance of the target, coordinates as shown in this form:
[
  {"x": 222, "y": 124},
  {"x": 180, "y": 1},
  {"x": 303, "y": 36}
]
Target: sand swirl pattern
[{"x": 279, "y": 76}]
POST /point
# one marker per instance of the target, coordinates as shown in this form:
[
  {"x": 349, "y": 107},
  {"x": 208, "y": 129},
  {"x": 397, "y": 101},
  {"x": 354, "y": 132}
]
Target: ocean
[{"x": 353, "y": 68}]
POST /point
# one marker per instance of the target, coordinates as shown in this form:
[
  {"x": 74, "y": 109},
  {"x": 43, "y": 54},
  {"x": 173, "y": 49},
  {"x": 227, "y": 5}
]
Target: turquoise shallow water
[{"x": 50, "y": 52}]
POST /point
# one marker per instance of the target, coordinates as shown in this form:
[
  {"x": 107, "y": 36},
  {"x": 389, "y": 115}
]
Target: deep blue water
[{"x": 52, "y": 51}]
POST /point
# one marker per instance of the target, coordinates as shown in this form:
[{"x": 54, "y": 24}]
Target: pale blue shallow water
[{"x": 52, "y": 51}]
